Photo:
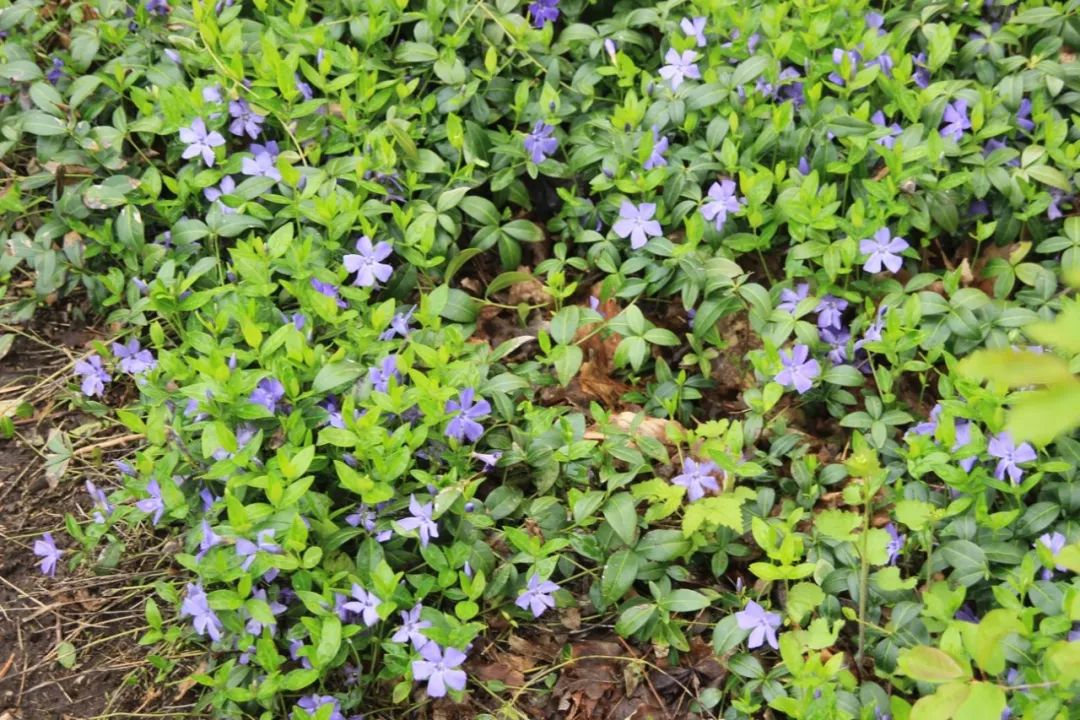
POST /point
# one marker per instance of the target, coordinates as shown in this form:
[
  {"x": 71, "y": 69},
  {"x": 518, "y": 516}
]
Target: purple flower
[
  {"x": 829, "y": 311},
  {"x": 656, "y": 157},
  {"x": 158, "y": 7},
  {"x": 212, "y": 94},
  {"x": 303, "y": 88},
  {"x": 541, "y": 143},
  {"x": 464, "y": 423},
  {"x": 254, "y": 626},
  {"x": 45, "y": 548},
  {"x": 209, "y": 539},
  {"x": 1055, "y": 544},
  {"x": 1009, "y": 456},
  {"x": 365, "y": 517},
  {"x": 635, "y": 222},
  {"x": 543, "y": 12},
  {"x": 438, "y": 667},
  {"x": 804, "y": 166},
  {"x": 761, "y": 624},
  {"x": 1053, "y": 212},
  {"x": 838, "y": 56},
  {"x": 489, "y": 459},
  {"x": 680, "y": 66},
  {"x": 329, "y": 290},
  {"x": 798, "y": 372},
  {"x": 421, "y": 520},
  {"x": 262, "y": 165},
  {"x": 1023, "y": 116},
  {"x": 366, "y": 263},
  {"x": 993, "y": 145},
  {"x": 365, "y": 604},
  {"x": 966, "y": 614},
  {"x": 93, "y": 375},
  {"x": 883, "y": 249},
  {"x": 154, "y": 504},
  {"x": 200, "y": 142},
  {"x": 133, "y": 359},
  {"x": 956, "y": 120},
  {"x": 196, "y": 606},
  {"x": 896, "y": 543},
  {"x": 883, "y": 61},
  {"x": 312, "y": 704},
  {"x": 399, "y": 325},
  {"x": 878, "y": 118},
  {"x": 536, "y": 596},
  {"x": 922, "y": 72},
  {"x": 962, "y": 439},
  {"x": 380, "y": 376},
  {"x": 790, "y": 299},
  {"x": 694, "y": 28},
  {"x": 245, "y": 120},
  {"x": 100, "y": 501},
  {"x": 697, "y": 478},
  {"x": 411, "y": 626},
  {"x": 57, "y": 72},
  {"x": 837, "y": 339},
  {"x": 875, "y": 21},
  {"x": 226, "y": 187},
  {"x": 722, "y": 200},
  {"x": 268, "y": 393},
  {"x": 930, "y": 426},
  {"x": 249, "y": 550}
]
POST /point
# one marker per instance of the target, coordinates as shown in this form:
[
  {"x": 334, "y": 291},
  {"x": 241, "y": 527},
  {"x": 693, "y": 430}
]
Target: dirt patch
[{"x": 68, "y": 645}]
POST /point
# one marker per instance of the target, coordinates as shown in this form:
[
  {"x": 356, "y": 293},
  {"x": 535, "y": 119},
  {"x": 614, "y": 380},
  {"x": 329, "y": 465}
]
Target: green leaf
[
  {"x": 633, "y": 618},
  {"x": 1015, "y": 368},
  {"x": 335, "y": 375},
  {"x": 929, "y": 664},
  {"x": 684, "y": 600},
  {"x": 621, "y": 514},
  {"x": 619, "y": 574},
  {"x": 22, "y": 71},
  {"x": 943, "y": 704},
  {"x": 329, "y": 640},
  {"x": 65, "y": 655},
  {"x": 36, "y": 122},
  {"x": 837, "y": 524}
]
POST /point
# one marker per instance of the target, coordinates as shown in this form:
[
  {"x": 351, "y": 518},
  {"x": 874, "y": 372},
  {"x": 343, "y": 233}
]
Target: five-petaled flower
[
  {"x": 45, "y": 548},
  {"x": 798, "y": 371},
  {"x": 155, "y": 504},
  {"x": 1009, "y": 455},
  {"x": 365, "y": 604},
  {"x": 441, "y": 669},
  {"x": 249, "y": 550},
  {"x": 790, "y": 298},
  {"x": 199, "y": 141},
  {"x": 722, "y": 200},
  {"x": 133, "y": 359},
  {"x": 367, "y": 262},
  {"x": 541, "y": 142},
  {"x": 680, "y": 66},
  {"x": 694, "y": 28},
  {"x": 883, "y": 249},
  {"x": 312, "y": 704},
  {"x": 536, "y": 596},
  {"x": 196, "y": 606},
  {"x": 829, "y": 311},
  {"x": 268, "y": 393},
  {"x": 636, "y": 223},
  {"x": 697, "y": 477},
  {"x": 956, "y": 120},
  {"x": 399, "y": 325},
  {"x": 543, "y": 12},
  {"x": 894, "y": 129},
  {"x": 464, "y": 425},
  {"x": 245, "y": 120},
  {"x": 381, "y": 375},
  {"x": 262, "y": 164},
  {"x": 421, "y": 520},
  {"x": 412, "y": 627},
  {"x": 761, "y": 624},
  {"x": 93, "y": 375}
]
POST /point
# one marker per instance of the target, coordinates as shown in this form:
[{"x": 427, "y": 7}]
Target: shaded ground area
[{"x": 68, "y": 645}]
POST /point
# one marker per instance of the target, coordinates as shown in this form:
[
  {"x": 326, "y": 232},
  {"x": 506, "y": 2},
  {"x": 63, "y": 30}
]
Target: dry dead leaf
[{"x": 666, "y": 431}]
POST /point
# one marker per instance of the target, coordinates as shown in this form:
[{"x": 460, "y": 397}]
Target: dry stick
[
  {"x": 648, "y": 681},
  {"x": 111, "y": 442}
]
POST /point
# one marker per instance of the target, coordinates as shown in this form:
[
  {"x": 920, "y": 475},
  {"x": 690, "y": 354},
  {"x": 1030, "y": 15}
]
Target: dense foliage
[{"x": 447, "y": 314}]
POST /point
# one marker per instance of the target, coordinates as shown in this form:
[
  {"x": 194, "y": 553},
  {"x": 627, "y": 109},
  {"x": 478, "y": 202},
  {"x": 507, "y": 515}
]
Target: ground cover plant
[{"x": 726, "y": 350}]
